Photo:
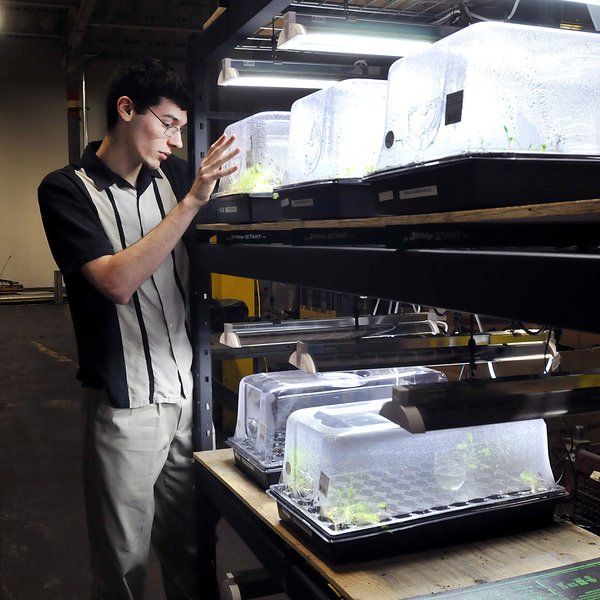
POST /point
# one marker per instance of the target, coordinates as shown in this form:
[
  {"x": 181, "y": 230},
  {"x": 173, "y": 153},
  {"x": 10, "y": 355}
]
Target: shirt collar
[{"x": 103, "y": 177}]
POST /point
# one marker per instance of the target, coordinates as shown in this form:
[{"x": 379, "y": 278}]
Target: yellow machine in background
[{"x": 241, "y": 288}]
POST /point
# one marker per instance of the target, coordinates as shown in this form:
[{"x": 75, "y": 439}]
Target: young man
[{"x": 114, "y": 224}]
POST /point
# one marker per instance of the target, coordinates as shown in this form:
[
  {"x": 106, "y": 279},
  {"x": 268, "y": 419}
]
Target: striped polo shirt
[{"x": 140, "y": 352}]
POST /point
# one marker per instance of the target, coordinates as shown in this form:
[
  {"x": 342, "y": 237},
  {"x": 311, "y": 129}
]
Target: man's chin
[{"x": 152, "y": 164}]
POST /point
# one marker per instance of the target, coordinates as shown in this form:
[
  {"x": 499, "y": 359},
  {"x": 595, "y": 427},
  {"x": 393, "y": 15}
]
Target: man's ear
[{"x": 125, "y": 108}]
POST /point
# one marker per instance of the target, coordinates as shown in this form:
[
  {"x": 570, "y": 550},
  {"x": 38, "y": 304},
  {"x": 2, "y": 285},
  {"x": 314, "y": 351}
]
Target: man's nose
[{"x": 176, "y": 140}]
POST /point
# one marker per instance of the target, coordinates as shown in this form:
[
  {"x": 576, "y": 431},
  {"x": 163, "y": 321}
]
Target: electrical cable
[
  {"x": 376, "y": 306},
  {"x": 549, "y": 363},
  {"x": 471, "y": 14},
  {"x": 257, "y": 291},
  {"x": 446, "y": 17},
  {"x": 489, "y": 362},
  {"x": 531, "y": 331},
  {"x": 514, "y": 9},
  {"x": 559, "y": 438},
  {"x": 457, "y": 324}
]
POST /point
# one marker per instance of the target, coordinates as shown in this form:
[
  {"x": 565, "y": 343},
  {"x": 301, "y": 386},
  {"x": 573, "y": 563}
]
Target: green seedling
[
  {"x": 540, "y": 148},
  {"x": 350, "y": 172},
  {"x": 534, "y": 481},
  {"x": 511, "y": 139},
  {"x": 474, "y": 457},
  {"x": 255, "y": 179},
  {"x": 348, "y": 510},
  {"x": 299, "y": 480}
]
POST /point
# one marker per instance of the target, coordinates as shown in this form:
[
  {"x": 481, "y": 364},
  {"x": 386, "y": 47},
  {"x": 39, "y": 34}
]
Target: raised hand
[{"x": 210, "y": 168}]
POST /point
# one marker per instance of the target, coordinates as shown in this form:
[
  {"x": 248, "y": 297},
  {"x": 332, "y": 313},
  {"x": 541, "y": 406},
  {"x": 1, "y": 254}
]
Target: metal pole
[
  {"x": 200, "y": 294},
  {"x": 84, "y": 109},
  {"x": 58, "y": 288}
]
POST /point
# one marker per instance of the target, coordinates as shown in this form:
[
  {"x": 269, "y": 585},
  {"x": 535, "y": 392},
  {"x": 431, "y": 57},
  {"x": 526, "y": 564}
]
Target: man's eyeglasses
[{"x": 170, "y": 130}]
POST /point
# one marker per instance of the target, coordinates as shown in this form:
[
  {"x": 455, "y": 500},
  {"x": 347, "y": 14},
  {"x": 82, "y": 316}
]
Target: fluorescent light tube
[
  {"x": 242, "y": 73},
  {"x": 588, "y": 2},
  {"x": 337, "y": 36},
  {"x": 246, "y": 80},
  {"x": 352, "y": 44}
]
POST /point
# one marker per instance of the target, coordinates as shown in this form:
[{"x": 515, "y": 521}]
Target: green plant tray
[{"x": 437, "y": 526}]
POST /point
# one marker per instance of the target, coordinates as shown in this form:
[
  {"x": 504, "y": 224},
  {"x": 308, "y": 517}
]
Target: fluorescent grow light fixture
[
  {"x": 588, "y": 2},
  {"x": 246, "y": 73},
  {"x": 306, "y": 33}
]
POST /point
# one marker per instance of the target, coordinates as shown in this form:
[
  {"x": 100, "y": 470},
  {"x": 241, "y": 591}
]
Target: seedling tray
[
  {"x": 429, "y": 523},
  {"x": 247, "y": 208},
  {"x": 248, "y": 461},
  {"x": 335, "y": 199},
  {"x": 485, "y": 181}
]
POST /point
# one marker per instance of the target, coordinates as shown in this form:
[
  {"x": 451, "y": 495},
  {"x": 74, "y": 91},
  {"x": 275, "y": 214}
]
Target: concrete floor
[{"x": 43, "y": 538}]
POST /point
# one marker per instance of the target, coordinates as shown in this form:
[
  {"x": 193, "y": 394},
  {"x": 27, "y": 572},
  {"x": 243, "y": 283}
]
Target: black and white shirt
[{"x": 140, "y": 352}]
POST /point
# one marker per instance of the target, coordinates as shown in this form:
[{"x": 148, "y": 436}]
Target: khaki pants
[{"x": 139, "y": 486}]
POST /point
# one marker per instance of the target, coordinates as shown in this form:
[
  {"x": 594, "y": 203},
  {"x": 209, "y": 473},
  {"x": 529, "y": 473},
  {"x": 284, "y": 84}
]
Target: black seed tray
[
  {"x": 419, "y": 530},
  {"x": 337, "y": 199},
  {"x": 261, "y": 474},
  {"x": 246, "y": 208},
  {"x": 485, "y": 181}
]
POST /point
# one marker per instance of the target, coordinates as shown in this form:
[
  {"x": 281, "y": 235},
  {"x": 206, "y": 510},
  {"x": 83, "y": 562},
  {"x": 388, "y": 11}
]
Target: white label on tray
[
  {"x": 323, "y": 484},
  {"x": 302, "y": 202},
  {"x": 421, "y": 192},
  {"x": 285, "y": 201},
  {"x": 228, "y": 209},
  {"x": 595, "y": 475},
  {"x": 385, "y": 196},
  {"x": 262, "y": 431},
  {"x": 248, "y": 464}
]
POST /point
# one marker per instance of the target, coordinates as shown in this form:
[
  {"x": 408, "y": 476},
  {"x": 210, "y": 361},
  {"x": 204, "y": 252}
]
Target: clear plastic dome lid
[
  {"x": 336, "y": 132},
  {"x": 347, "y": 466},
  {"x": 267, "y": 399},
  {"x": 263, "y": 143},
  {"x": 494, "y": 87}
]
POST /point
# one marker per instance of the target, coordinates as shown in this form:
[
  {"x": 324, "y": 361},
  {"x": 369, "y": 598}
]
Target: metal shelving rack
[{"x": 558, "y": 288}]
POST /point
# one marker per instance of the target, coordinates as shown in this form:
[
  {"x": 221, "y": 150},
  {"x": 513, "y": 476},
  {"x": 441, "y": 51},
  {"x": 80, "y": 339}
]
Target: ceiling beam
[
  {"x": 143, "y": 27},
  {"x": 59, "y": 4},
  {"x": 240, "y": 20},
  {"x": 26, "y": 34},
  {"x": 81, "y": 22}
]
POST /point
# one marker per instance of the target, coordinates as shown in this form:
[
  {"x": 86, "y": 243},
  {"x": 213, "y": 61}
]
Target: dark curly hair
[{"x": 145, "y": 81}]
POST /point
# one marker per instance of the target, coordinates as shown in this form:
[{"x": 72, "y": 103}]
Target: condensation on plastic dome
[
  {"x": 347, "y": 458},
  {"x": 525, "y": 90},
  {"x": 335, "y": 133},
  {"x": 266, "y": 400},
  {"x": 263, "y": 143}
]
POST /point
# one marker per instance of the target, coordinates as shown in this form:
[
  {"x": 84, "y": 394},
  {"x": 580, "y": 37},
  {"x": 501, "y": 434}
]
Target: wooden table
[{"x": 254, "y": 514}]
